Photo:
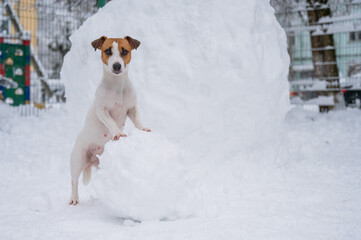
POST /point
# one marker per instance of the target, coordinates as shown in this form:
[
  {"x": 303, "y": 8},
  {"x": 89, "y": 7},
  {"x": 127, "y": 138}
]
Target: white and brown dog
[{"x": 115, "y": 99}]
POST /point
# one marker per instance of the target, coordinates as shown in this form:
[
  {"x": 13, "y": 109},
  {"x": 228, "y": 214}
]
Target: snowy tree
[
  {"x": 310, "y": 16},
  {"x": 323, "y": 50}
]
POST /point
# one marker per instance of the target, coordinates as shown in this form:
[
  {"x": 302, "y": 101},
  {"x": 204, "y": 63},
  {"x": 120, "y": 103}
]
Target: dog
[{"x": 115, "y": 99}]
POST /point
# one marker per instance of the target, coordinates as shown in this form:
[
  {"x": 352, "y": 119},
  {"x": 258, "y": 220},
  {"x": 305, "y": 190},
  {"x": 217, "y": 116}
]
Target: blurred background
[
  {"x": 34, "y": 38},
  {"x": 324, "y": 44}
]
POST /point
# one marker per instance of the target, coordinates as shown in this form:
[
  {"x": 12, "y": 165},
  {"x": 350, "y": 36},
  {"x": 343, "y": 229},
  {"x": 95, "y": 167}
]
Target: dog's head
[{"x": 116, "y": 52}]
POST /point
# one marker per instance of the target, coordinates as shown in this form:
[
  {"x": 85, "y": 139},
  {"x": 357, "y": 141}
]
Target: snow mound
[
  {"x": 40, "y": 203},
  {"x": 145, "y": 170},
  {"x": 211, "y": 77}
]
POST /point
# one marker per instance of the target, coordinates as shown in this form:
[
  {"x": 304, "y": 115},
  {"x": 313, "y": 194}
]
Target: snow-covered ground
[
  {"x": 312, "y": 192},
  {"x": 224, "y": 160}
]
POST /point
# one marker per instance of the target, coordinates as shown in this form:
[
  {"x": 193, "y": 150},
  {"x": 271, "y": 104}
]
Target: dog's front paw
[
  {"x": 74, "y": 200},
  {"x": 119, "y": 135},
  {"x": 147, "y": 130}
]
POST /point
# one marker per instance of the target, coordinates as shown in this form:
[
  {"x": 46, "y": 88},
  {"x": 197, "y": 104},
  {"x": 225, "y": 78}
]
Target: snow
[
  {"x": 301, "y": 68},
  {"x": 312, "y": 192},
  {"x": 215, "y": 94},
  {"x": 322, "y": 100},
  {"x": 327, "y": 29},
  {"x": 329, "y": 19},
  {"x": 183, "y": 52},
  {"x": 351, "y": 83},
  {"x": 143, "y": 177},
  {"x": 181, "y": 71},
  {"x": 319, "y": 101},
  {"x": 313, "y": 84}
]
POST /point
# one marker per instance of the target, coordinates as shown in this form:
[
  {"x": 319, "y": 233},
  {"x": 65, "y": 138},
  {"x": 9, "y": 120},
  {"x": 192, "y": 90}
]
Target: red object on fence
[
  {"x": 26, "y": 42},
  {"x": 27, "y": 75},
  {"x": 2, "y": 65},
  {"x": 2, "y": 69}
]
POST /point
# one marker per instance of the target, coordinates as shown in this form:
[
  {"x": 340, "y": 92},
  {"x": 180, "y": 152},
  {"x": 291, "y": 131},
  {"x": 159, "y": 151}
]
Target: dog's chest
[
  {"x": 121, "y": 104},
  {"x": 119, "y": 107}
]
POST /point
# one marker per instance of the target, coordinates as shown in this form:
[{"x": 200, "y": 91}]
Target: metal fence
[
  {"x": 49, "y": 24},
  {"x": 57, "y": 20},
  {"x": 345, "y": 26}
]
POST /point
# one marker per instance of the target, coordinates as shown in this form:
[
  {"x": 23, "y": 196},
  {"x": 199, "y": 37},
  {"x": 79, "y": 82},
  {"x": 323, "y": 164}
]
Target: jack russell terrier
[{"x": 115, "y": 99}]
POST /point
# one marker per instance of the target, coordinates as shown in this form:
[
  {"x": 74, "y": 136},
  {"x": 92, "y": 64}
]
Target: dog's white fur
[{"x": 115, "y": 99}]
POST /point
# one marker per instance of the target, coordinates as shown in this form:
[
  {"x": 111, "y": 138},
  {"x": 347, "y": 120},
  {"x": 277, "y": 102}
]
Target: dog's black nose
[{"x": 117, "y": 67}]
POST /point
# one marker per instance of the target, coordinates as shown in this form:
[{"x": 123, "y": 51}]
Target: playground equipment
[{"x": 15, "y": 71}]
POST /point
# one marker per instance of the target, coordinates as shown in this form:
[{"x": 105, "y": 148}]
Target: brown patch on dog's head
[
  {"x": 125, "y": 46},
  {"x": 134, "y": 43},
  {"x": 97, "y": 43}
]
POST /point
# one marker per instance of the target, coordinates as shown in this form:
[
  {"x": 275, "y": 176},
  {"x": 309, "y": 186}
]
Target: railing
[{"x": 35, "y": 110}]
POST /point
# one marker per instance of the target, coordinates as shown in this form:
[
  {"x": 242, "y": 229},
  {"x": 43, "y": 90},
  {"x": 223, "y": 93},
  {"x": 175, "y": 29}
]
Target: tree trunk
[
  {"x": 291, "y": 45},
  {"x": 324, "y": 54}
]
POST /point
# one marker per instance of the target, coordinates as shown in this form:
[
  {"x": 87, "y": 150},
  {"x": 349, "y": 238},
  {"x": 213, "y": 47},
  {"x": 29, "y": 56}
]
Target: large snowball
[
  {"x": 144, "y": 177},
  {"x": 211, "y": 77}
]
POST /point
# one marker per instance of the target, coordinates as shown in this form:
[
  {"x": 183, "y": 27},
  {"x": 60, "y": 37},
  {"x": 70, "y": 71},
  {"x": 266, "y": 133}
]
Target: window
[{"x": 355, "y": 36}]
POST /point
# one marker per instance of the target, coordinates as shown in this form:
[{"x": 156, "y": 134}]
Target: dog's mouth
[{"x": 117, "y": 72}]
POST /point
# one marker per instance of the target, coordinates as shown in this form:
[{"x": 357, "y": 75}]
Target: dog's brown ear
[
  {"x": 97, "y": 44},
  {"x": 134, "y": 43}
]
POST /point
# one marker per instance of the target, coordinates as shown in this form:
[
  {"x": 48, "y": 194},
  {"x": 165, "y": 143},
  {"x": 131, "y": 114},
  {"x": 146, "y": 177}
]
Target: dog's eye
[
  {"x": 124, "y": 51},
  {"x": 108, "y": 51}
]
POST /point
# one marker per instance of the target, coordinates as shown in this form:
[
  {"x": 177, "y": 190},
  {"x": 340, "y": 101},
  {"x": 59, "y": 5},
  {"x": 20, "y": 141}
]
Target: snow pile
[
  {"x": 6, "y": 118},
  {"x": 146, "y": 170},
  {"x": 210, "y": 78}
]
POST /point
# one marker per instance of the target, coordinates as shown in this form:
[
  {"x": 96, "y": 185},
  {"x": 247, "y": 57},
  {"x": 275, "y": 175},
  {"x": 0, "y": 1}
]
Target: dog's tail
[{"x": 87, "y": 174}]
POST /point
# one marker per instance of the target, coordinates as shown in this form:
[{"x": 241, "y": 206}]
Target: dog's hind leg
[
  {"x": 87, "y": 170},
  {"x": 91, "y": 160},
  {"x": 77, "y": 164}
]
